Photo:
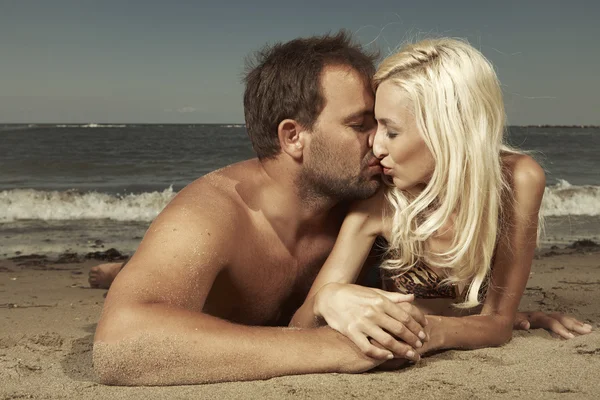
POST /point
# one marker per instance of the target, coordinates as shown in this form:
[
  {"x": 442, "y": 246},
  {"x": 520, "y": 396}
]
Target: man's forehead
[
  {"x": 346, "y": 91},
  {"x": 336, "y": 77}
]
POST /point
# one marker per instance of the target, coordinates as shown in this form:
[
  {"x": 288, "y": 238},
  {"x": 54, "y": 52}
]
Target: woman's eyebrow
[{"x": 388, "y": 121}]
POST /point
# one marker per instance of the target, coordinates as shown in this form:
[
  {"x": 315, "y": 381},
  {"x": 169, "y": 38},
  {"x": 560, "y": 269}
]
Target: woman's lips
[{"x": 387, "y": 171}]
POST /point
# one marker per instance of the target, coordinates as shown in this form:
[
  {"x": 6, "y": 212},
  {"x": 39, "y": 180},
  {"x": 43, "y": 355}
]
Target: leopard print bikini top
[{"x": 424, "y": 283}]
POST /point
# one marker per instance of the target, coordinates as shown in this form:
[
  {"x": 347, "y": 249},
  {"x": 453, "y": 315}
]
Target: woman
[{"x": 460, "y": 215}]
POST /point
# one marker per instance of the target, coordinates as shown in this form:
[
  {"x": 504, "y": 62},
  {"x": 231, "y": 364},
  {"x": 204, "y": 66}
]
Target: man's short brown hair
[{"x": 283, "y": 81}]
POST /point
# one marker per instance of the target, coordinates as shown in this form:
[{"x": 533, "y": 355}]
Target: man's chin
[
  {"x": 370, "y": 178},
  {"x": 368, "y": 187}
]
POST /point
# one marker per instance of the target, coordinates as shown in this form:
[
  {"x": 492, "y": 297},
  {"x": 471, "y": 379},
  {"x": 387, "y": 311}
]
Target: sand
[{"x": 48, "y": 315}]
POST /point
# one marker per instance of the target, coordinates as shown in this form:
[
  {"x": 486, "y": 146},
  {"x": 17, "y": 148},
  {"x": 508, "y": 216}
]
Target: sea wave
[
  {"x": 565, "y": 199},
  {"x": 20, "y": 204},
  {"x": 91, "y": 126},
  {"x": 561, "y": 199}
]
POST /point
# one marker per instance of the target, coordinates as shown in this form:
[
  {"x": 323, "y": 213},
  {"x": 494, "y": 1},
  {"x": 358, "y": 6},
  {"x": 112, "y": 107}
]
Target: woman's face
[{"x": 398, "y": 143}]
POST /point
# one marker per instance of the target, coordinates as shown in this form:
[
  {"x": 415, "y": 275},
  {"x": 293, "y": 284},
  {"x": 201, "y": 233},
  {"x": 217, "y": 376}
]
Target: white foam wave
[
  {"x": 91, "y": 126},
  {"x": 21, "y": 204},
  {"x": 566, "y": 199},
  {"x": 559, "y": 200}
]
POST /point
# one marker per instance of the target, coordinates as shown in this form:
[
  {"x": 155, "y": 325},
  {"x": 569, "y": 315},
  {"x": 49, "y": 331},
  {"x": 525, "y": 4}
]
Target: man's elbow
[
  {"x": 110, "y": 365},
  {"x": 127, "y": 364},
  {"x": 118, "y": 349}
]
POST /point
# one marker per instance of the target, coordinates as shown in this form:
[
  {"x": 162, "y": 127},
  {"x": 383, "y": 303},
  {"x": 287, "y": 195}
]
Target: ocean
[{"x": 66, "y": 187}]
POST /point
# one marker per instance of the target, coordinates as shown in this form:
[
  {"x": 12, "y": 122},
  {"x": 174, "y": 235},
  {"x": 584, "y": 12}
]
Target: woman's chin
[{"x": 400, "y": 184}]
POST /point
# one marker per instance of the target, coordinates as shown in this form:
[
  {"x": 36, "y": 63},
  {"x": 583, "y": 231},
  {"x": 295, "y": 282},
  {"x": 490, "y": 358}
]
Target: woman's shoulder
[
  {"x": 525, "y": 177},
  {"x": 523, "y": 170}
]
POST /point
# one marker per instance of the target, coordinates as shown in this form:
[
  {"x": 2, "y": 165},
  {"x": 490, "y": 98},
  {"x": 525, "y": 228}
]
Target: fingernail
[
  {"x": 570, "y": 335},
  {"x": 422, "y": 335},
  {"x": 390, "y": 356},
  {"x": 410, "y": 354},
  {"x": 587, "y": 326},
  {"x": 419, "y": 344}
]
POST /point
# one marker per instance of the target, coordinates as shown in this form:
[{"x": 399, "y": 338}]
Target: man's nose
[{"x": 372, "y": 137}]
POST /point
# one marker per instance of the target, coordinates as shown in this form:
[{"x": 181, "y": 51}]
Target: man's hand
[
  {"x": 362, "y": 313},
  {"x": 352, "y": 360},
  {"x": 562, "y": 325}
]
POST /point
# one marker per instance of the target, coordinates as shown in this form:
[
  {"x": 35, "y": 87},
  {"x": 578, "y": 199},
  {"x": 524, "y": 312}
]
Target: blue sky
[{"x": 182, "y": 61}]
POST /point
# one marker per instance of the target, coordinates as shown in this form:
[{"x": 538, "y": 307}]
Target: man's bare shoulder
[
  {"x": 218, "y": 194},
  {"x": 190, "y": 242},
  {"x": 214, "y": 205}
]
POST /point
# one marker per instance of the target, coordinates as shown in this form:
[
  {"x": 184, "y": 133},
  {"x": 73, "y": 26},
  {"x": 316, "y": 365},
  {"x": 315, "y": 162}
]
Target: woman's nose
[{"x": 378, "y": 141}]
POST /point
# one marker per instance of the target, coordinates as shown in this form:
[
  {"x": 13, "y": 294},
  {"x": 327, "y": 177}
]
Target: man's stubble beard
[{"x": 326, "y": 177}]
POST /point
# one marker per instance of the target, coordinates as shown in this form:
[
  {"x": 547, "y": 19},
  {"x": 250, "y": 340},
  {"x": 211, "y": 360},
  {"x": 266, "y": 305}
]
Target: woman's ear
[{"x": 290, "y": 138}]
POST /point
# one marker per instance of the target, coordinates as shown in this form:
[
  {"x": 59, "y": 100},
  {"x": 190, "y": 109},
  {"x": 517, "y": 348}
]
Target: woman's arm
[
  {"x": 514, "y": 255},
  {"x": 359, "y": 230},
  {"x": 355, "y": 311}
]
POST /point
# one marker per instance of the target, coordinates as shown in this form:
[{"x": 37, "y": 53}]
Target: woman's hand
[
  {"x": 562, "y": 325},
  {"x": 362, "y": 313}
]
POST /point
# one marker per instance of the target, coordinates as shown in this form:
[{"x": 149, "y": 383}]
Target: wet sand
[{"x": 48, "y": 315}]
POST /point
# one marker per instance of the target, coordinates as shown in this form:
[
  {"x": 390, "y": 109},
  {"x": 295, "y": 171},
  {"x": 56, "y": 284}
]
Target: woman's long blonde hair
[{"x": 459, "y": 111}]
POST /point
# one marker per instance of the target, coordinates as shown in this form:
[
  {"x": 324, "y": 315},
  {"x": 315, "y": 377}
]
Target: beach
[
  {"x": 83, "y": 190},
  {"x": 219, "y": 146},
  {"x": 48, "y": 316}
]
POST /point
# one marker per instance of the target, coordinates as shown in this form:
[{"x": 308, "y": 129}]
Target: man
[{"x": 240, "y": 247}]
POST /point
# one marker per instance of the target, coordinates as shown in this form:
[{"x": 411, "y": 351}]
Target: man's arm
[
  {"x": 172, "y": 346},
  {"x": 153, "y": 331}
]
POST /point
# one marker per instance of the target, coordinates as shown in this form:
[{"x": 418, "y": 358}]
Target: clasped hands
[{"x": 386, "y": 325}]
